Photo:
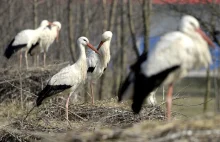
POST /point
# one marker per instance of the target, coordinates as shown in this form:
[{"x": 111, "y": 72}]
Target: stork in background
[
  {"x": 174, "y": 56},
  {"x": 97, "y": 64},
  {"x": 25, "y": 40},
  {"x": 47, "y": 38},
  {"x": 69, "y": 79}
]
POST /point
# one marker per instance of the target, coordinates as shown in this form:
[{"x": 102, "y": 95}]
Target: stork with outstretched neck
[
  {"x": 70, "y": 79},
  {"x": 97, "y": 64},
  {"x": 48, "y": 35},
  {"x": 175, "y": 54},
  {"x": 25, "y": 40}
]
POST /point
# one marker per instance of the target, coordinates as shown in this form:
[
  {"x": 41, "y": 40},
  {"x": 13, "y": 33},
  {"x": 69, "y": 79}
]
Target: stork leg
[
  {"x": 67, "y": 106},
  {"x": 45, "y": 58},
  {"x": 37, "y": 60},
  {"x": 91, "y": 86},
  {"x": 26, "y": 58},
  {"x": 20, "y": 59},
  {"x": 169, "y": 101}
]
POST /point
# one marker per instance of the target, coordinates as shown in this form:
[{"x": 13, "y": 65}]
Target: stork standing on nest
[
  {"x": 47, "y": 38},
  {"x": 174, "y": 56},
  {"x": 25, "y": 40},
  {"x": 97, "y": 64},
  {"x": 70, "y": 78}
]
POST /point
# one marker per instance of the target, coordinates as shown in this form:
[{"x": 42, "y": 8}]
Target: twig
[{"x": 20, "y": 88}]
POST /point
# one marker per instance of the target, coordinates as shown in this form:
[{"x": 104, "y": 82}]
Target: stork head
[
  {"x": 45, "y": 23},
  {"x": 85, "y": 42},
  {"x": 58, "y": 27},
  {"x": 190, "y": 25},
  {"x": 106, "y": 36}
]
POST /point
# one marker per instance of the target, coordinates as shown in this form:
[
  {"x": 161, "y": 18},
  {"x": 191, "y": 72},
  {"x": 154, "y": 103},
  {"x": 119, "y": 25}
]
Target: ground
[{"x": 106, "y": 120}]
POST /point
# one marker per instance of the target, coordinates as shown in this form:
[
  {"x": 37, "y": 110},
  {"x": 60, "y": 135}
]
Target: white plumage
[
  {"x": 98, "y": 63},
  {"x": 70, "y": 78},
  {"x": 47, "y": 37},
  {"x": 175, "y": 54},
  {"x": 25, "y": 40}
]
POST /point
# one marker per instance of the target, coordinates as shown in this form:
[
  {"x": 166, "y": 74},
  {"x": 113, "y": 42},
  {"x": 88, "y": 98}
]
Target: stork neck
[
  {"x": 40, "y": 28},
  {"x": 82, "y": 54},
  {"x": 105, "y": 47}
]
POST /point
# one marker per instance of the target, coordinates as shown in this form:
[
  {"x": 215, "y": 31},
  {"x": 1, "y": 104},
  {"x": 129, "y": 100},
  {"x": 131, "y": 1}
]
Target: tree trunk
[
  {"x": 71, "y": 29},
  {"x": 104, "y": 23},
  {"x": 112, "y": 15},
  {"x": 123, "y": 52},
  {"x": 85, "y": 29},
  {"x": 35, "y": 14},
  {"x": 146, "y": 13},
  {"x": 131, "y": 27}
]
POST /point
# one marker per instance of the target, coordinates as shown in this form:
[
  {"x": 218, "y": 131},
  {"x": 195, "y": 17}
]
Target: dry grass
[{"x": 107, "y": 120}]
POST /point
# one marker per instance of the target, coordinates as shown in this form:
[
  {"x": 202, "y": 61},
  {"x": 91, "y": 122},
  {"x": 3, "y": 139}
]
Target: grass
[{"x": 188, "y": 106}]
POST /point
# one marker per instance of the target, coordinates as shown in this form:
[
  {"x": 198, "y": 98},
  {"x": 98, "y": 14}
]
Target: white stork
[
  {"x": 25, "y": 39},
  {"x": 70, "y": 78},
  {"x": 48, "y": 35},
  {"x": 98, "y": 63},
  {"x": 174, "y": 56}
]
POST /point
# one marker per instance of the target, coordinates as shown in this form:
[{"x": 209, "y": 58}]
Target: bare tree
[
  {"x": 85, "y": 31},
  {"x": 131, "y": 27},
  {"x": 146, "y": 13},
  {"x": 35, "y": 14},
  {"x": 104, "y": 23},
  {"x": 71, "y": 29},
  {"x": 122, "y": 39},
  {"x": 112, "y": 15}
]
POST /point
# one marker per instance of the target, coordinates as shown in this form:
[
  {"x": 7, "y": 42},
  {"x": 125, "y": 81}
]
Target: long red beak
[
  {"x": 206, "y": 38},
  {"x": 93, "y": 48},
  {"x": 100, "y": 44}
]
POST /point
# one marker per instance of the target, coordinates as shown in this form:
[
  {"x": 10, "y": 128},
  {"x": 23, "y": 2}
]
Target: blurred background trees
[{"x": 135, "y": 25}]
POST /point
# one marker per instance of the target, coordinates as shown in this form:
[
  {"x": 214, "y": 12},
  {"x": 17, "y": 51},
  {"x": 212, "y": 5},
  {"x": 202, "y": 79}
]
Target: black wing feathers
[
  {"x": 49, "y": 91},
  {"x": 11, "y": 49},
  {"x": 135, "y": 70},
  {"x": 91, "y": 69},
  {"x": 32, "y": 47},
  {"x": 144, "y": 85}
]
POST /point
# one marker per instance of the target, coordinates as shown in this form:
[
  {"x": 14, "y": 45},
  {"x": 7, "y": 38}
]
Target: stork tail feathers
[
  {"x": 143, "y": 86},
  {"x": 11, "y": 49},
  {"x": 123, "y": 87},
  {"x": 32, "y": 47},
  {"x": 49, "y": 91}
]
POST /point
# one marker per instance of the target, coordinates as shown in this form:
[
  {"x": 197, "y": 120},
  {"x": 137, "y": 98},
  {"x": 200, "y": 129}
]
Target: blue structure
[{"x": 153, "y": 40}]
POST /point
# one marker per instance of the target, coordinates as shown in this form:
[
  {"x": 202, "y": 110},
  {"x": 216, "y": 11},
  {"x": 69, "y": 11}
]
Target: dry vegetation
[
  {"x": 17, "y": 98},
  {"x": 105, "y": 121}
]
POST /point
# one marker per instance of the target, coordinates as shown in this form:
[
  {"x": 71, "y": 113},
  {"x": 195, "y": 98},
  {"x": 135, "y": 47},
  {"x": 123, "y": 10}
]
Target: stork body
[
  {"x": 25, "y": 40},
  {"x": 174, "y": 56},
  {"x": 48, "y": 35},
  {"x": 70, "y": 78},
  {"x": 98, "y": 63}
]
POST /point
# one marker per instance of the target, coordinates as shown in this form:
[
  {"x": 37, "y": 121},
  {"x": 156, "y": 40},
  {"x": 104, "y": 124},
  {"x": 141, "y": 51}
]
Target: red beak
[
  {"x": 100, "y": 44},
  {"x": 93, "y": 48},
  {"x": 205, "y": 37}
]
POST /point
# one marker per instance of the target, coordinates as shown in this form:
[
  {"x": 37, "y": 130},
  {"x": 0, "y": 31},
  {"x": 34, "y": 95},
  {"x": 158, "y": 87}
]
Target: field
[{"x": 106, "y": 120}]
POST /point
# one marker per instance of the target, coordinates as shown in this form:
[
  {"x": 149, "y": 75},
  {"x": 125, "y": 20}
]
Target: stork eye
[
  {"x": 192, "y": 24},
  {"x": 84, "y": 40}
]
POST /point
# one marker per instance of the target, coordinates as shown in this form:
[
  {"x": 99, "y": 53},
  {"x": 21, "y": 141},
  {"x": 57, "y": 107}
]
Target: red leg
[
  {"x": 20, "y": 59},
  {"x": 45, "y": 59},
  {"x": 169, "y": 101},
  {"x": 91, "y": 84},
  {"x": 67, "y": 106},
  {"x": 26, "y": 58}
]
